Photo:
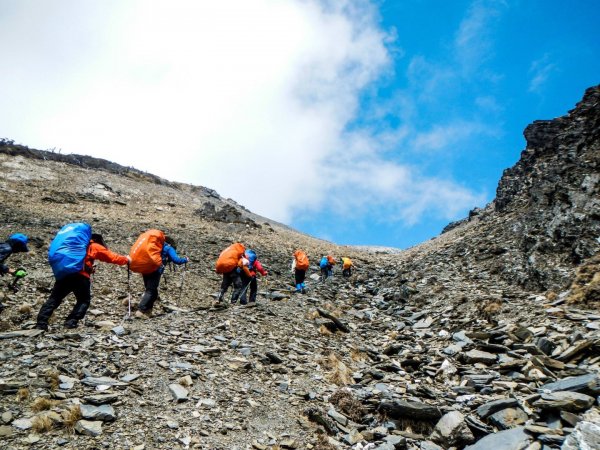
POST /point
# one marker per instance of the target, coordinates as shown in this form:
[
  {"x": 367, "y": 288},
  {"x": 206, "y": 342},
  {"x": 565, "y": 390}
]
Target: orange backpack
[
  {"x": 301, "y": 260},
  {"x": 146, "y": 252},
  {"x": 228, "y": 259}
]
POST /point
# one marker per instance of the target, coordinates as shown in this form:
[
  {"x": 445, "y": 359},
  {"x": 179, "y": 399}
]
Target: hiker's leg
[
  {"x": 225, "y": 284},
  {"x": 253, "y": 289},
  {"x": 60, "y": 290},
  {"x": 245, "y": 281},
  {"x": 151, "y": 283},
  {"x": 237, "y": 285},
  {"x": 82, "y": 289}
]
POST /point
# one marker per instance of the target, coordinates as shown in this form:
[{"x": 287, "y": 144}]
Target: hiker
[
  {"x": 16, "y": 243},
  {"x": 72, "y": 254},
  {"x": 149, "y": 255},
  {"x": 346, "y": 267},
  {"x": 326, "y": 264},
  {"x": 248, "y": 276},
  {"x": 229, "y": 264},
  {"x": 300, "y": 265}
]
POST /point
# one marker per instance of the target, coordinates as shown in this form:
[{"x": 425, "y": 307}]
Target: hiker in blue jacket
[
  {"x": 152, "y": 280},
  {"x": 16, "y": 243}
]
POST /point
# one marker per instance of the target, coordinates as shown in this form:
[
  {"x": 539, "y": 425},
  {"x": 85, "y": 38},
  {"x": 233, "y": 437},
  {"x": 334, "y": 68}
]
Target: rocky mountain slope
[{"x": 469, "y": 340}]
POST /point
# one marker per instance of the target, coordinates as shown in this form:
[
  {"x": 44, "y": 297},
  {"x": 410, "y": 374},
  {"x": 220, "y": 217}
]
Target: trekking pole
[
  {"x": 182, "y": 280},
  {"x": 128, "y": 292}
]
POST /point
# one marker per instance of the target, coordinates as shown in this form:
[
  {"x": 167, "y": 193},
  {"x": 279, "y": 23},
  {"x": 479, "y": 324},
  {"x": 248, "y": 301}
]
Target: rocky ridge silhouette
[{"x": 469, "y": 340}]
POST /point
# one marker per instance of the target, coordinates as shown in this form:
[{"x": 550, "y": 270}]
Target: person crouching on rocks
[
  {"x": 300, "y": 265},
  {"x": 229, "y": 264},
  {"x": 248, "y": 276},
  {"x": 15, "y": 243},
  {"x": 77, "y": 282}
]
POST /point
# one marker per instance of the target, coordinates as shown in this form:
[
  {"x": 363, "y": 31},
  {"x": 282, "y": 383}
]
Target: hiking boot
[
  {"x": 71, "y": 324},
  {"x": 41, "y": 326},
  {"x": 243, "y": 302}
]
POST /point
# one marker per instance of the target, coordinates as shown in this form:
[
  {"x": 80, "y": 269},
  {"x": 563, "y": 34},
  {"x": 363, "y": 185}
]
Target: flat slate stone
[
  {"x": 490, "y": 408},
  {"x": 102, "y": 381},
  {"x": 412, "y": 410},
  {"x": 89, "y": 428},
  {"x": 475, "y": 356},
  {"x": 589, "y": 384},
  {"x": 514, "y": 439},
  {"x": 105, "y": 413},
  {"x": 508, "y": 418},
  {"x": 21, "y": 333},
  {"x": 452, "y": 430},
  {"x": 565, "y": 401},
  {"x": 179, "y": 393}
]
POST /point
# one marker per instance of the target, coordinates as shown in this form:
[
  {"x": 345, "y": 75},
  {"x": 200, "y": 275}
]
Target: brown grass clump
[
  {"x": 25, "y": 309},
  {"x": 43, "y": 404},
  {"x": 22, "y": 394},
  {"x": 71, "y": 416},
  {"x": 339, "y": 373},
  {"x": 358, "y": 356},
  {"x": 52, "y": 378},
  {"x": 42, "y": 423},
  {"x": 347, "y": 404},
  {"x": 324, "y": 330},
  {"x": 586, "y": 286},
  {"x": 312, "y": 315},
  {"x": 421, "y": 427},
  {"x": 323, "y": 443},
  {"x": 551, "y": 296}
]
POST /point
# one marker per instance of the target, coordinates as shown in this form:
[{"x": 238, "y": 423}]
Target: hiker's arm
[
  {"x": 259, "y": 268},
  {"x": 173, "y": 256},
  {"x": 105, "y": 255}
]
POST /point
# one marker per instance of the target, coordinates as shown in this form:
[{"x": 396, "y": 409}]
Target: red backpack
[{"x": 145, "y": 254}]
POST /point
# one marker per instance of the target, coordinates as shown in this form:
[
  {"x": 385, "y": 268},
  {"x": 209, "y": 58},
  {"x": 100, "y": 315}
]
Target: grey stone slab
[{"x": 513, "y": 439}]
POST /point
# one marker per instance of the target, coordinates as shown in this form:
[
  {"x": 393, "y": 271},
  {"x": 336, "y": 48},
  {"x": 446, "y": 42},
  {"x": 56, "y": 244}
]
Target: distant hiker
[
  {"x": 230, "y": 263},
  {"x": 326, "y": 264},
  {"x": 149, "y": 255},
  {"x": 300, "y": 265},
  {"x": 16, "y": 243},
  {"x": 346, "y": 267},
  {"x": 248, "y": 276},
  {"x": 71, "y": 255}
]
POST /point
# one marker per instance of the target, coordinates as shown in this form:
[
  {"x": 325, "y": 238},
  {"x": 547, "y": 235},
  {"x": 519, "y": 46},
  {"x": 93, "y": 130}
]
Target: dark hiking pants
[
  {"x": 76, "y": 283},
  {"x": 253, "y": 288},
  {"x": 230, "y": 278},
  {"x": 151, "y": 283},
  {"x": 299, "y": 275}
]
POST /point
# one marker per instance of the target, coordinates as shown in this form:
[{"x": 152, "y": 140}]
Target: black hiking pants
[
  {"x": 76, "y": 283},
  {"x": 347, "y": 272},
  {"x": 151, "y": 283},
  {"x": 253, "y": 288},
  {"x": 299, "y": 275},
  {"x": 230, "y": 278}
]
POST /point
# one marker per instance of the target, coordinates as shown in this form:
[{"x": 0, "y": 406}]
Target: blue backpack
[
  {"x": 324, "y": 263},
  {"x": 69, "y": 248},
  {"x": 251, "y": 256}
]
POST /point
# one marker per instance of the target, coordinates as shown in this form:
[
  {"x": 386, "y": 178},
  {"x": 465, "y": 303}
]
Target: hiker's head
[
  {"x": 169, "y": 240},
  {"x": 18, "y": 242},
  {"x": 98, "y": 239}
]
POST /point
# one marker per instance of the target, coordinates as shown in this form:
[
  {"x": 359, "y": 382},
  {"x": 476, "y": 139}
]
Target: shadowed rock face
[{"x": 450, "y": 341}]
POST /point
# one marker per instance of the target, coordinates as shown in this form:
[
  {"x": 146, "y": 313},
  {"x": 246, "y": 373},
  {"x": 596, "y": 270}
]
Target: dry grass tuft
[
  {"x": 22, "y": 394},
  {"x": 42, "y": 423},
  {"x": 347, "y": 404},
  {"x": 312, "y": 315},
  {"x": 358, "y": 356},
  {"x": 71, "y": 416},
  {"x": 339, "y": 373},
  {"x": 325, "y": 331},
  {"x": 323, "y": 443},
  {"x": 26, "y": 309},
  {"x": 52, "y": 378},
  {"x": 43, "y": 404},
  {"x": 586, "y": 286},
  {"x": 421, "y": 427}
]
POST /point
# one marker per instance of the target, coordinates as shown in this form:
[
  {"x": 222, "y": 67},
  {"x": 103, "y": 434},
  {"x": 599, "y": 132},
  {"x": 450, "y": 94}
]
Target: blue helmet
[{"x": 19, "y": 240}]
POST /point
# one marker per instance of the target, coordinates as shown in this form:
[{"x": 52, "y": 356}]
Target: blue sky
[{"x": 362, "y": 122}]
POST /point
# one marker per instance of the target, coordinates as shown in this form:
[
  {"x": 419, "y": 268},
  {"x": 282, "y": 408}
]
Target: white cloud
[
  {"x": 249, "y": 98},
  {"x": 540, "y": 71}
]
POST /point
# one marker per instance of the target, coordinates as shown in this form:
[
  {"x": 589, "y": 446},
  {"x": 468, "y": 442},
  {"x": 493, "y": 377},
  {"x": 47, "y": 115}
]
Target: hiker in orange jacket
[
  {"x": 230, "y": 263},
  {"x": 79, "y": 284},
  {"x": 300, "y": 265},
  {"x": 347, "y": 265},
  {"x": 248, "y": 276}
]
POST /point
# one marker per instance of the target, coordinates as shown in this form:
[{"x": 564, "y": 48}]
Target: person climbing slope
[
  {"x": 326, "y": 264},
  {"x": 300, "y": 265},
  {"x": 229, "y": 264},
  {"x": 150, "y": 253},
  {"x": 347, "y": 266},
  {"x": 248, "y": 276},
  {"x": 16, "y": 243},
  {"x": 71, "y": 255}
]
